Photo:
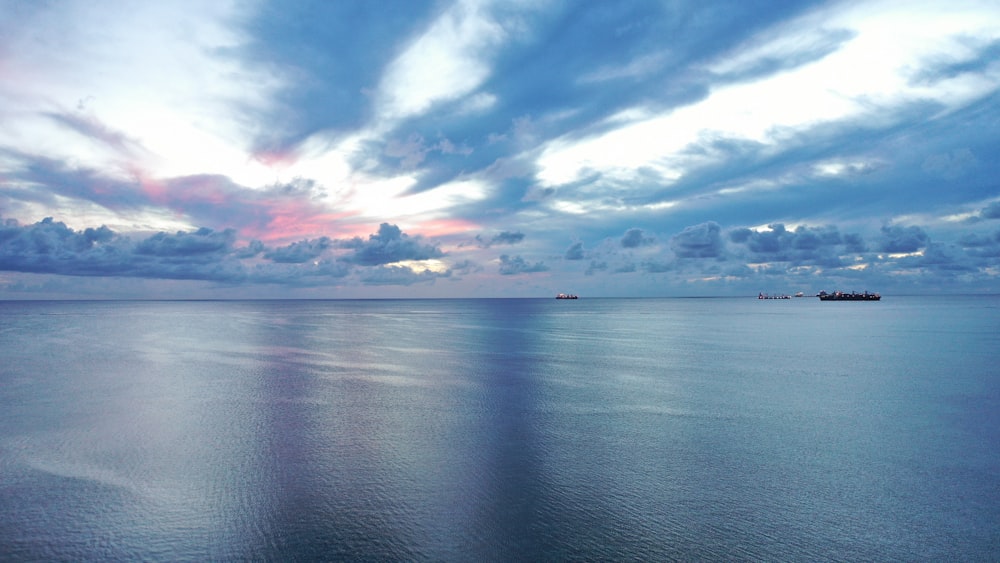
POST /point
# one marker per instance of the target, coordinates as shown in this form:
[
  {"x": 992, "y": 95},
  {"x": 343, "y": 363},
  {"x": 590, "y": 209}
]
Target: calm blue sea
[{"x": 501, "y": 430}]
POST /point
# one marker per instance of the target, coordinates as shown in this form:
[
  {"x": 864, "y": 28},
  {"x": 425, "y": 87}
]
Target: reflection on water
[{"x": 499, "y": 430}]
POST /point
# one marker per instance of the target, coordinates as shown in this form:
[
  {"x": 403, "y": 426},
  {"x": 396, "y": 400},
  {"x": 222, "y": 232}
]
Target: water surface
[{"x": 656, "y": 429}]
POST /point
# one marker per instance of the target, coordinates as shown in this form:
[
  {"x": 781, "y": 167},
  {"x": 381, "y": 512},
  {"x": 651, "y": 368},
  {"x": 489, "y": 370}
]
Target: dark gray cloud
[
  {"x": 465, "y": 267},
  {"x": 574, "y": 252},
  {"x": 981, "y": 246},
  {"x": 516, "y": 265},
  {"x": 398, "y": 275},
  {"x": 938, "y": 260},
  {"x": 991, "y": 211},
  {"x": 299, "y": 252},
  {"x": 634, "y": 238},
  {"x": 804, "y": 245},
  {"x": 389, "y": 245},
  {"x": 50, "y": 246},
  {"x": 899, "y": 239},
  {"x": 318, "y": 273},
  {"x": 201, "y": 244},
  {"x": 698, "y": 241},
  {"x": 253, "y": 248},
  {"x": 503, "y": 237}
]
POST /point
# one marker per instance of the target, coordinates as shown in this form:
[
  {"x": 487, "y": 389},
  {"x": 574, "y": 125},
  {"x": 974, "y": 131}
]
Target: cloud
[
  {"x": 898, "y": 239},
  {"x": 299, "y": 252},
  {"x": 981, "y": 246},
  {"x": 411, "y": 152},
  {"x": 503, "y": 237},
  {"x": 200, "y": 245},
  {"x": 51, "y": 247},
  {"x": 649, "y": 266},
  {"x": 257, "y": 143},
  {"x": 854, "y": 78},
  {"x": 991, "y": 211},
  {"x": 389, "y": 245},
  {"x": 464, "y": 267},
  {"x": 400, "y": 275},
  {"x": 950, "y": 165},
  {"x": 448, "y": 61},
  {"x": 138, "y": 68},
  {"x": 634, "y": 238},
  {"x": 801, "y": 246},
  {"x": 510, "y": 266},
  {"x": 698, "y": 241},
  {"x": 574, "y": 252}
]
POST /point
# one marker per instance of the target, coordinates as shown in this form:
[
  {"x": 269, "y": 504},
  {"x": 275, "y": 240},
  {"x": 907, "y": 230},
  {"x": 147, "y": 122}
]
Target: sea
[{"x": 675, "y": 429}]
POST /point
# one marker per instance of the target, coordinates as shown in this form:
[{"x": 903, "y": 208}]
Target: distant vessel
[
  {"x": 852, "y": 296},
  {"x": 766, "y": 296},
  {"x": 800, "y": 294},
  {"x": 566, "y": 296}
]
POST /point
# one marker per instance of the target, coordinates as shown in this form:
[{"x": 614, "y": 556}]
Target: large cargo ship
[{"x": 852, "y": 296}]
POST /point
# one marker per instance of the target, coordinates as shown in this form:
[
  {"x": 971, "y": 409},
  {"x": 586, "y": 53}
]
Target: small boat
[
  {"x": 852, "y": 296},
  {"x": 566, "y": 296}
]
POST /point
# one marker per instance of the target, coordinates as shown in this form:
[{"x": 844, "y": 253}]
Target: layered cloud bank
[
  {"x": 701, "y": 253},
  {"x": 498, "y": 148}
]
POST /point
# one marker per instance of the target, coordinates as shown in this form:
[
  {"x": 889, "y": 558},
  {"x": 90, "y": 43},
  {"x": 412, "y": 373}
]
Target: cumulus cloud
[
  {"x": 202, "y": 243},
  {"x": 804, "y": 245},
  {"x": 698, "y": 241},
  {"x": 299, "y": 252},
  {"x": 50, "y": 246},
  {"x": 390, "y": 245},
  {"x": 636, "y": 237},
  {"x": 516, "y": 265},
  {"x": 400, "y": 275},
  {"x": 253, "y": 248},
  {"x": 465, "y": 267},
  {"x": 574, "y": 252},
  {"x": 898, "y": 239},
  {"x": 981, "y": 246},
  {"x": 503, "y": 237}
]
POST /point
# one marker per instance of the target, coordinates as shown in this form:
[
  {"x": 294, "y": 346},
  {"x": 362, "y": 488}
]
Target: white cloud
[
  {"x": 874, "y": 72},
  {"x": 154, "y": 73},
  {"x": 447, "y": 62},
  {"x": 638, "y": 67}
]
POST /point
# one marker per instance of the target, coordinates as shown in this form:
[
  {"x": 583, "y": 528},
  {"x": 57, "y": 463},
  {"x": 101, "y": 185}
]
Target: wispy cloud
[{"x": 618, "y": 148}]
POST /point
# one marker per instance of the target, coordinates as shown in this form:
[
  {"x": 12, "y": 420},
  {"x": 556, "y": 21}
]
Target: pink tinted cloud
[
  {"x": 95, "y": 130},
  {"x": 276, "y": 158},
  {"x": 155, "y": 190},
  {"x": 291, "y": 219},
  {"x": 443, "y": 227}
]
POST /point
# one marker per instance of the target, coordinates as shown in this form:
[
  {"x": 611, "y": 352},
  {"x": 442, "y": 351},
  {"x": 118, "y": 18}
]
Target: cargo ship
[
  {"x": 852, "y": 296},
  {"x": 566, "y": 296}
]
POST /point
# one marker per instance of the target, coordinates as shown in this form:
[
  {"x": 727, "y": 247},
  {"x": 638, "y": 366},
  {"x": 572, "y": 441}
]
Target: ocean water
[{"x": 501, "y": 430}]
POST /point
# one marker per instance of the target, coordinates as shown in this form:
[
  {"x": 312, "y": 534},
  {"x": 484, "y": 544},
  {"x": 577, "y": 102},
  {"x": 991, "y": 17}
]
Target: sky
[{"x": 354, "y": 149}]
